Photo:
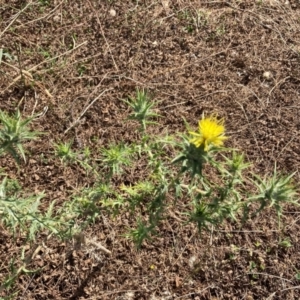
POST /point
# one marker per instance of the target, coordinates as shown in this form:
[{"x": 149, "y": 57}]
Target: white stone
[{"x": 112, "y": 12}]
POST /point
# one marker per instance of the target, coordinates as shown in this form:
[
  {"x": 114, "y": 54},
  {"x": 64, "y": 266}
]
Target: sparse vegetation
[{"x": 105, "y": 171}]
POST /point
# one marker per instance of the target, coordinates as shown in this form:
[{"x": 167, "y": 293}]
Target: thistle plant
[
  {"x": 141, "y": 232},
  {"x": 20, "y": 214},
  {"x": 142, "y": 109},
  {"x": 203, "y": 171},
  {"x": 197, "y": 149},
  {"x": 210, "y": 133},
  {"x": 64, "y": 151},
  {"x": 205, "y": 178},
  {"x": 67, "y": 155},
  {"x": 225, "y": 199},
  {"x": 14, "y": 132},
  {"x": 138, "y": 193},
  {"x": 274, "y": 192},
  {"x": 211, "y": 178},
  {"x": 15, "y": 272},
  {"x": 115, "y": 157}
]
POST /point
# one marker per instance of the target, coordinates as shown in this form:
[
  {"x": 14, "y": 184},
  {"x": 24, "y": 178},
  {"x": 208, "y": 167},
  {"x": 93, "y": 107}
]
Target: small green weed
[
  {"x": 285, "y": 243},
  {"x": 13, "y": 133},
  {"x": 44, "y": 2},
  {"x": 142, "y": 109},
  {"x": 115, "y": 158},
  {"x": 297, "y": 276}
]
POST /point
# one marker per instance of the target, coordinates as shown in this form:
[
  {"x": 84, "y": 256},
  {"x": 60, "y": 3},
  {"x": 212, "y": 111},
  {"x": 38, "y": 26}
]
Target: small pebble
[
  {"x": 112, "y": 12},
  {"x": 267, "y": 75}
]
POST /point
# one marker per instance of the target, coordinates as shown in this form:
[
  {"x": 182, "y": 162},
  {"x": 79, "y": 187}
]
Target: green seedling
[
  {"x": 115, "y": 158},
  {"x": 64, "y": 151},
  {"x": 285, "y": 243},
  {"x": 14, "y": 132},
  {"x": 142, "y": 109}
]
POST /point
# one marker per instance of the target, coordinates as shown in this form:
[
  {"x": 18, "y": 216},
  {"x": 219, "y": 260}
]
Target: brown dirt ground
[{"x": 240, "y": 59}]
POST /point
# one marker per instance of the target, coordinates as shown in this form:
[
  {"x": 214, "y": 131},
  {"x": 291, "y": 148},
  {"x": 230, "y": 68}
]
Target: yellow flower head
[{"x": 211, "y": 132}]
